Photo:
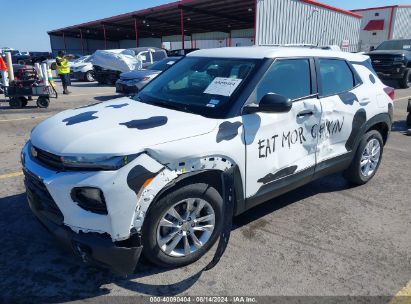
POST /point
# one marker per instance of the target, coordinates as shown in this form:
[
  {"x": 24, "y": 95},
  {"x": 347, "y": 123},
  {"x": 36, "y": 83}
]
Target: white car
[
  {"x": 133, "y": 81},
  {"x": 82, "y": 69},
  {"x": 217, "y": 133}
]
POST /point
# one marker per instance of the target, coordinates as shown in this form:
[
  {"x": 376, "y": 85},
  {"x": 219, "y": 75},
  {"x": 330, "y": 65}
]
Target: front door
[{"x": 280, "y": 145}]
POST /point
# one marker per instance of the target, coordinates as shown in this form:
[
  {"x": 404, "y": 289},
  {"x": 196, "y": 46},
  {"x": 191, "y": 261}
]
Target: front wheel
[
  {"x": 183, "y": 225},
  {"x": 43, "y": 102},
  {"x": 367, "y": 159},
  {"x": 89, "y": 76}
]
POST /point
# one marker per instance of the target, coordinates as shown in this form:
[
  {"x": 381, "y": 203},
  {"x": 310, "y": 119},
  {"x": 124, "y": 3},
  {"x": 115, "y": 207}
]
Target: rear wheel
[
  {"x": 367, "y": 159},
  {"x": 409, "y": 120},
  {"x": 183, "y": 225},
  {"x": 405, "y": 82}
]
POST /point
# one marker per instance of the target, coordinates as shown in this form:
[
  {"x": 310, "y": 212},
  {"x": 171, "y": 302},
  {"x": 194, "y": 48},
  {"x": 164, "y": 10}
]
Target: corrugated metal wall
[
  {"x": 294, "y": 21},
  {"x": 402, "y": 23}
]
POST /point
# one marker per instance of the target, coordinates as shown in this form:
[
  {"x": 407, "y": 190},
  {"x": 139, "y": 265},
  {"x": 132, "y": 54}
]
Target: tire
[
  {"x": 405, "y": 82},
  {"x": 43, "y": 102},
  {"x": 152, "y": 234},
  {"x": 53, "y": 66},
  {"x": 409, "y": 120},
  {"x": 24, "y": 101},
  {"x": 355, "y": 173},
  {"x": 89, "y": 76},
  {"x": 16, "y": 103}
]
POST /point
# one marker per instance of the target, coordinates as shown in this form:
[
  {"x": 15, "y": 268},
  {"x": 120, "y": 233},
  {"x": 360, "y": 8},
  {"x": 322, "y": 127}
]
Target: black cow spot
[
  {"x": 358, "y": 122},
  {"x": 118, "y": 106},
  {"x": 82, "y": 117},
  {"x": 137, "y": 176},
  {"x": 227, "y": 130},
  {"x": 348, "y": 98},
  {"x": 372, "y": 78},
  {"x": 88, "y": 106},
  {"x": 143, "y": 124},
  {"x": 279, "y": 174}
]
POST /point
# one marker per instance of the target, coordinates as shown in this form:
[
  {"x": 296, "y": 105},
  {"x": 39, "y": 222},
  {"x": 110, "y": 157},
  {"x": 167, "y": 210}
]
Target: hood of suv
[
  {"x": 136, "y": 74},
  {"x": 118, "y": 127},
  {"x": 387, "y": 52}
]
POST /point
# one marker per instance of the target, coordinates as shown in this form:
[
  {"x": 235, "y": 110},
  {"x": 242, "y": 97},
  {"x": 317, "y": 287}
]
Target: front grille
[
  {"x": 48, "y": 159},
  {"x": 40, "y": 197},
  {"x": 383, "y": 62}
]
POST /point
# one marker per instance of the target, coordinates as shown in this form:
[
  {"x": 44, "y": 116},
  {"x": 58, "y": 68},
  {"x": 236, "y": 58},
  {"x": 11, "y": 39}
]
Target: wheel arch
[{"x": 212, "y": 177}]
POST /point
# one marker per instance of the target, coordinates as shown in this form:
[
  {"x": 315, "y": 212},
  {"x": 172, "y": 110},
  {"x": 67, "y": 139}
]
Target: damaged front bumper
[{"x": 95, "y": 248}]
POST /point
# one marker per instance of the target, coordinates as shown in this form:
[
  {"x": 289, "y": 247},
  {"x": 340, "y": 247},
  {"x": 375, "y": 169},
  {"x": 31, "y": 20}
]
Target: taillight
[{"x": 390, "y": 92}]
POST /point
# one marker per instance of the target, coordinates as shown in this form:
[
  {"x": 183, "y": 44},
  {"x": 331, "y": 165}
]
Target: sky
[{"x": 26, "y": 29}]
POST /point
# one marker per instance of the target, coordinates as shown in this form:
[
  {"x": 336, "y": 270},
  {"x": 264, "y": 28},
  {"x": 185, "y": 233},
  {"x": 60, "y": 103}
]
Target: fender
[{"x": 379, "y": 118}]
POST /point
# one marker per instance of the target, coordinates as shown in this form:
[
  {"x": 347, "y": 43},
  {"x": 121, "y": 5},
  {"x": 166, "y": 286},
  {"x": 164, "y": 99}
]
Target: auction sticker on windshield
[{"x": 222, "y": 86}]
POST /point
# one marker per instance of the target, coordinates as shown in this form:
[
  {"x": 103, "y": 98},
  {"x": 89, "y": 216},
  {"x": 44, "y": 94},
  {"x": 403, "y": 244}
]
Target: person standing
[
  {"x": 3, "y": 71},
  {"x": 63, "y": 70}
]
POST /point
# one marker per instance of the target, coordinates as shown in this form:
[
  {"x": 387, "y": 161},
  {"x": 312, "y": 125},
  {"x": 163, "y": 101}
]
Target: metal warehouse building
[
  {"x": 384, "y": 23},
  {"x": 215, "y": 23}
]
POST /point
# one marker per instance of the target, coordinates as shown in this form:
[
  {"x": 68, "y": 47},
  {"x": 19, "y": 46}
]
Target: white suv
[{"x": 219, "y": 132}]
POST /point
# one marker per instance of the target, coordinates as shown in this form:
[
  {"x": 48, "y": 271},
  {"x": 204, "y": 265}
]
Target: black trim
[
  {"x": 94, "y": 248},
  {"x": 240, "y": 101},
  {"x": 229, "y": 198}
]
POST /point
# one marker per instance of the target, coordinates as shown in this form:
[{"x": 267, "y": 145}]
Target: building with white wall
[{"x": 384, "y": 23}]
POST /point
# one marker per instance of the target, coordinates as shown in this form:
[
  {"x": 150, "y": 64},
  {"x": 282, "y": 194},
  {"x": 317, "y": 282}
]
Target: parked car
[
  {"x": 52, "y": 62},
  {"x": 40, "y": 56},
  {"x": 150, "y": 55},
  {"x": 18, "y": 58},
  {"x": 392, "y": 60},
  {"x": 409, "y": 113},
  {"x": 131, "y": 82},
  {"x": 82, "y": 69},
  {"x": 180, "y": 52},
  {"x": 219, "y": 132}
]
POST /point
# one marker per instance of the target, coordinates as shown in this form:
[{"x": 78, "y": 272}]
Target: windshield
[
  {"x": 199, "y": 85},
  {"x": 163, "y": 64},
  {"x": 395, "y": 45}
]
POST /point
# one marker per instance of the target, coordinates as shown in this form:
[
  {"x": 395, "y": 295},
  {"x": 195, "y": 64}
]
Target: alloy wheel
[
  {"x": 185, "y": 227},
  {"x": 370, "y": 157}
]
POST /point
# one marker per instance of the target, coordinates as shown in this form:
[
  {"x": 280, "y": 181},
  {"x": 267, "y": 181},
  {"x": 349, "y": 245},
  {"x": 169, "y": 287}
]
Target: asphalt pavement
[{"x": 324, "y": 239}]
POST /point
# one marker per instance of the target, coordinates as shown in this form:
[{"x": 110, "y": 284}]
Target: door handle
[
  {"x": 305, "y": 113},
  {"x": 365, "y": 101}
]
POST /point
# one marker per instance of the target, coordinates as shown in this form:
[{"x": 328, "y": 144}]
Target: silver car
[{"x": 133, "y": 81}]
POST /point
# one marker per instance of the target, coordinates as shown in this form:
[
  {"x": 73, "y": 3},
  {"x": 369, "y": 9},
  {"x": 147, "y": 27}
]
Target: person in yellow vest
[{"x": 63, "y": 70}]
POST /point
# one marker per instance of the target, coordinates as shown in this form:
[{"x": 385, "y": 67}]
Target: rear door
[
  {"x": 279, "y": 145},
  {"x": 343, "y": 102}
]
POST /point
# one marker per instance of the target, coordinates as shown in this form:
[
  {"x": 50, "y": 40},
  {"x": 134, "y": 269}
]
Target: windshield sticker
[
  {"x": 170, "y": 62},
  {"x": 222, "y": 86},
  {"x": 214, "y": 101}
]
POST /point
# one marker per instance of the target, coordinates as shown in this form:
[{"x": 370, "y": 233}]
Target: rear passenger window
[
  {"x": 290, "y": 78},
  {"x": 336, "y": 76}
]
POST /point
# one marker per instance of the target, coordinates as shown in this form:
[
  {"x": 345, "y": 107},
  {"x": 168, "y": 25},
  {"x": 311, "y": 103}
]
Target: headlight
[
  {"x": 97, "y": 162},
  {"x": 79, "y": 67}
]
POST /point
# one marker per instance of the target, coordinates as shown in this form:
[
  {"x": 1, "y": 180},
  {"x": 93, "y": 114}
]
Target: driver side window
[{"x": 290, "y": 78}]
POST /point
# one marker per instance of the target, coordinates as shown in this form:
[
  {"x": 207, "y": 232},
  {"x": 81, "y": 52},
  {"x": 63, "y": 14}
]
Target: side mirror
[{"x": 271, "y": 102}]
